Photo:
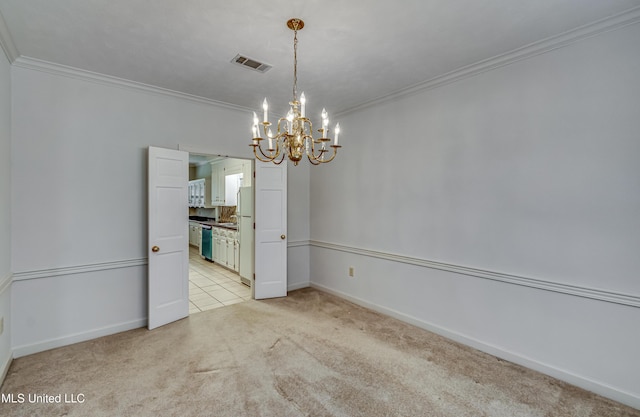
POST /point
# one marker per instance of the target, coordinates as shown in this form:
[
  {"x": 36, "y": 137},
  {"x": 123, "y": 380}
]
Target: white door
[
  {"x": 271, "y": 230},
  {"x": 168, "y": 250}
]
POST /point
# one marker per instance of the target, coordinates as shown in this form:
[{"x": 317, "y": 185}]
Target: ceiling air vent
[{"x": 250, "y": 63}]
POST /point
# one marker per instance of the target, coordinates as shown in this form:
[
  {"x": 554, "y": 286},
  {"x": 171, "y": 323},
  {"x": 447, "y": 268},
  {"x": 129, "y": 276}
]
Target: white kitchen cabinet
[
  {"x": 233, "y": 250},
  {"x": 193, "y": 194},
  {"x": 216, "y": 242},
  {"x": 199, "y": 193},
  {"x": 236, "y": 253},
  {"x": 217, "y": 183},
  {"x": 195, "y": 234},
  {"x": 226, "y": 250}
]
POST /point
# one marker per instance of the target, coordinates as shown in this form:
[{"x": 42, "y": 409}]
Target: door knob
[
  {"x": 282, "y": 237},
  {"x": 155, "y": 249}
]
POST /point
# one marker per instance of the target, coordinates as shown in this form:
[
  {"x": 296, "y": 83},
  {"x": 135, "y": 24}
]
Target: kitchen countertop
[{"x": 230, "y": 226}]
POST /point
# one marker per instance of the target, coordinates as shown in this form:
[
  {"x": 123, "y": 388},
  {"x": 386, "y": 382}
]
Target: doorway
[
  {"x": 219, "y": 244},
  {"x": 168, "y": 231}
]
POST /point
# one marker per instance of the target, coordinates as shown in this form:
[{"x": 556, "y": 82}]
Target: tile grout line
[{"x": 204, "y": 275}]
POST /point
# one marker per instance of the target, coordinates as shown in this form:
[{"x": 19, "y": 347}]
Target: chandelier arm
[
  {"x": 280, "y": 133},
  {"x": 271, "y": 156},
  {"x": 265, "y": 159},
  {"x": 321, "y": 151},
  {"x": 317, "y": 158},
  {"x": 258, "y": 156},
  {"x": 280, "y": 161},
  {"x": 335, "y": 152}
]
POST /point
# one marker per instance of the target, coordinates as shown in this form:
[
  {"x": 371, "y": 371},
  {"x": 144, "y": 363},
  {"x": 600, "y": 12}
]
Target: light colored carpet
[{"x": 309, "y": 354}]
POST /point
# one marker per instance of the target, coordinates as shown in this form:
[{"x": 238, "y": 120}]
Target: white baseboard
[
  {"x": 298, "y": 286},
  {"x": 4, "y": 367},
  {"x": 561, "y": 374},
  {"x": 24, "y": 350},
  {"x": 5, "y": 363}
]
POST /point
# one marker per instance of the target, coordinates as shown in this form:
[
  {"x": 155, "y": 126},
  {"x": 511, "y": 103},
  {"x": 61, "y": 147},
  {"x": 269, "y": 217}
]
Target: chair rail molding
[
  {"x": 575, "y": 290},
  {"x": 78, "y": 269}
]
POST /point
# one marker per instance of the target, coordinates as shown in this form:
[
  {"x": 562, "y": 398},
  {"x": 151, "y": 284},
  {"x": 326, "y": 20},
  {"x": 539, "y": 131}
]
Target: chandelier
[{"x": 294, "y": 134}]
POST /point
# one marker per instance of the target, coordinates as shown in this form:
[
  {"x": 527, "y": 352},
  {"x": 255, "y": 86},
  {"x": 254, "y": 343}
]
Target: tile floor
[{"x": 212, "y": 286}]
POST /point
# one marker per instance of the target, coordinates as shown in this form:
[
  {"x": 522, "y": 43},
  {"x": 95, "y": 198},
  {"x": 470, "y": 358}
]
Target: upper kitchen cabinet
[
  {"x": 199, "y": 193},
  {"x": 217, "y": 183}
]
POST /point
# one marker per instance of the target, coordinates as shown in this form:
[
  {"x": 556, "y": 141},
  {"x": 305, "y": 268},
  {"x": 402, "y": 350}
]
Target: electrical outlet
[{"x": 350, "y": 271}]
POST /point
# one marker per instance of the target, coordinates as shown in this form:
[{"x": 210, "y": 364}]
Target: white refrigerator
[{"x": 244, "y": 211}]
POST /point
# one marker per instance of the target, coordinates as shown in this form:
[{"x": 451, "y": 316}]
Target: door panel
[
  {"x": 168, "y": 233},
  {"x": 271, "y": 229}
]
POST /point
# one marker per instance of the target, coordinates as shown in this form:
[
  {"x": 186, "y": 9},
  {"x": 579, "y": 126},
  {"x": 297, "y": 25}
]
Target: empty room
[{"x": 320, "y": 208}]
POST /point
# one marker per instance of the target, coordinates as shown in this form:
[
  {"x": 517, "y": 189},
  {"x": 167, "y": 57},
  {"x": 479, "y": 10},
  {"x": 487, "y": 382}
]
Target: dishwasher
[{"x": 206, "y": 244}]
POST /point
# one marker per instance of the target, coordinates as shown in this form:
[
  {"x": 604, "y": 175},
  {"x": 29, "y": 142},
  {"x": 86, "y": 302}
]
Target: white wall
[
  {"x": 501, "y": 210},
  {"x": 79, "y": 198},
  {"x": 5, "y": 211}
]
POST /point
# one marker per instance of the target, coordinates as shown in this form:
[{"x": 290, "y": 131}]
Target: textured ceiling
[{"x": 349, "y": 53}]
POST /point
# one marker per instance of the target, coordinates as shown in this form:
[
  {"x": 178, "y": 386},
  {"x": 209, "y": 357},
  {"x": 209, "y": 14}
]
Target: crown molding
[
  {"x": 6, "y": 42},
  {"x": 618, "y": 21},
  {"x": 629, "y": 17},
  {"x": 630, "y": 300},
  {"x": 95, "y": 77}
]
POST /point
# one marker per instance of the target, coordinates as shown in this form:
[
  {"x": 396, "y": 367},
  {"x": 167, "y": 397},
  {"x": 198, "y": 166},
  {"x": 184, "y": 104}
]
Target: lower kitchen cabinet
[
  {"x": 225, "y": 248},
  {"x": 195, "y": 234},
  {"x": 236, "y": 254},
  {"x": 215, "y": 236}
]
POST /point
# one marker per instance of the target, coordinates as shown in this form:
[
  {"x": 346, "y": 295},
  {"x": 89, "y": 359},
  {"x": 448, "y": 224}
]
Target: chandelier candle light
[{"x": 294, "y": 135}]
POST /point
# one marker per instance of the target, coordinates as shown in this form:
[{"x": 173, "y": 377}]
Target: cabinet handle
[
  {"x": 155, "y": 249},
  {"x": 282, "y": 237}
]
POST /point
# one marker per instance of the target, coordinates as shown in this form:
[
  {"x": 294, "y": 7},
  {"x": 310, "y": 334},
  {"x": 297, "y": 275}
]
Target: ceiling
[{"x": 349, "y": 52}]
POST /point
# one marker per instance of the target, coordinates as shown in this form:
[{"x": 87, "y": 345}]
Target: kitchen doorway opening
[{"x": 221, "y": 233}]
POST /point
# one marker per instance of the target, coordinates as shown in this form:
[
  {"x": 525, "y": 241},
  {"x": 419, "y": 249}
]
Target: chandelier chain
[{"x": 295, "y": 64}]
